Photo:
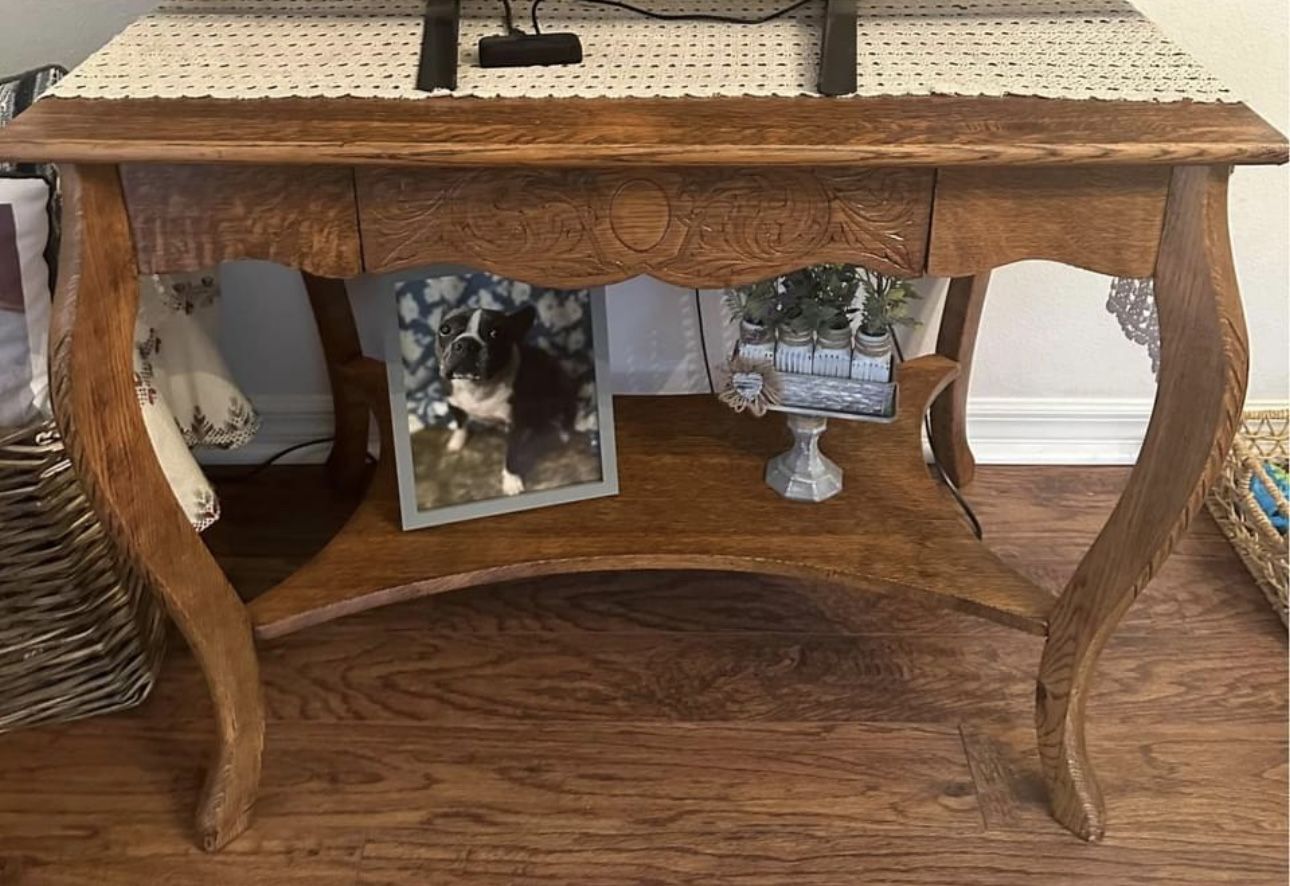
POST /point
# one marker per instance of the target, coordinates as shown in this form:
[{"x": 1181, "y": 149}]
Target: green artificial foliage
[
  {"x": 811, "y": 295},
  {"x": 823, "y": 292},
  {"x": 757, "y": 303},
  {"x": 832, "y": 318},
  {"x": 824, "y": 297},
  {"x": 886, "y": 303},
  {"x": 800, "y": 317}
]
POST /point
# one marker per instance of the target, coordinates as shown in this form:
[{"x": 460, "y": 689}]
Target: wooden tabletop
[{"x": 898, "y": 131}]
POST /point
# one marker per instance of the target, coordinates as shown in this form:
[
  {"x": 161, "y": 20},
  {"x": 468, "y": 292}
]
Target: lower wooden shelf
[{"x": 692, "y": 497}]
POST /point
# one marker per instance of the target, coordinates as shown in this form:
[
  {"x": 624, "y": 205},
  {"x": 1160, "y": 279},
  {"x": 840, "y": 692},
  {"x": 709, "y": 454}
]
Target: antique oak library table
[{"x": 700, "y": 192}]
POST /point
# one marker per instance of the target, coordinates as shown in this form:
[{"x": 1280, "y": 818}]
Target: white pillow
[{"x": 24, "y": 300}]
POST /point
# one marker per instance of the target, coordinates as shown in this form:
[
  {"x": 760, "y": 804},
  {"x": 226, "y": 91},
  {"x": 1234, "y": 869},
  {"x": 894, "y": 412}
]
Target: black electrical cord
[
  {"x": 254, "y": 472},
  {"x": 508, "y": 17},
  {"x": 679, "y": 16},
  {"x": 703, "y": 341},
  {"x": 954, "y": 490},
  {"x": 936, "y": 463}
]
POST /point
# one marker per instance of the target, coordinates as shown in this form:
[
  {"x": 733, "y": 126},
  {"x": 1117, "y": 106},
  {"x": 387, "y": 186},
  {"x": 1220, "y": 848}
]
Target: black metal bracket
[
  {"x": 838, "y": 49},
  {"x": 438, "y": 66}
]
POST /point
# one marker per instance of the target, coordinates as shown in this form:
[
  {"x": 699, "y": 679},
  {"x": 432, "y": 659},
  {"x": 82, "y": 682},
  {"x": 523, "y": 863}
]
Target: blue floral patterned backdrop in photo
[{"x": 563, "y": 328}]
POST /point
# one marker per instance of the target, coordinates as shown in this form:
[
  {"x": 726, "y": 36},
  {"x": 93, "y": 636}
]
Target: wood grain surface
[
  {"x": 899, "y": 131},
  {"x": 93, "y": 389},
  {"x": 351, "y": 414},
  {"x": 692, "y": 227},
  {"x": 189, "y": 218},
  {"x": 1104, "y": 220},
  {"x": 899, "y": 535},
  {"x": 692, "y": 497},
  {"x": 1204, "y": 365},
  {"x": 381, "y": 769},
  {"x": 956, "y": 340}
]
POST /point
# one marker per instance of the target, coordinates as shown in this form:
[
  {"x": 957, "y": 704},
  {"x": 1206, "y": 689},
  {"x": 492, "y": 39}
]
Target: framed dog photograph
[{"x": 500, "y": 396}]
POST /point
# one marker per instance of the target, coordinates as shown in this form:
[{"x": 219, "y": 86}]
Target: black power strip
[{"x": 525, "y": 50}]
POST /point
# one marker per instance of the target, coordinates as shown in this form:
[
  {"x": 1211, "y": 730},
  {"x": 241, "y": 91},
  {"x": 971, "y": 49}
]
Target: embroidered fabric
[
  {"x": 185, "y": 390},
  {"x": 246, "y": 49}
]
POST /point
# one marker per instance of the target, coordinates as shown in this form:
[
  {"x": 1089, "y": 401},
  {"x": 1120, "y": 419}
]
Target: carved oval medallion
[{"x": 640, "y": 214}]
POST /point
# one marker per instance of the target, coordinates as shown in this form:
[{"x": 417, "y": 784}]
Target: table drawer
[
  {"x": 703, "y": 227},
  {"x": 191, "y": 217}
]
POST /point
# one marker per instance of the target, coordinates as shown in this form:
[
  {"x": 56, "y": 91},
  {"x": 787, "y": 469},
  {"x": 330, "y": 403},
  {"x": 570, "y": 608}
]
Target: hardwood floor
[{"x": 666, "y": 728}]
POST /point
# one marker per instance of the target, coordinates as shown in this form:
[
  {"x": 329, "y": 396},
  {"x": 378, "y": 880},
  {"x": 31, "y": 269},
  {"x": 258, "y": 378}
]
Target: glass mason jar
[
  {"x": 833, "y": 351},
  {"x": 871, "y": 359},
  {"x": 756, "y": 341},
  {"x": 794, "y": 351}
]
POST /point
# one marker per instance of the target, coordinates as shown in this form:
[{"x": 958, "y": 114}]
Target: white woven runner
[{"x": 1080, "y": 49}]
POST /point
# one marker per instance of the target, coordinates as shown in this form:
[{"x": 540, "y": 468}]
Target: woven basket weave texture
[
  {"x": 1264, "y": 437},
  {"x": 79, "y": 633}
]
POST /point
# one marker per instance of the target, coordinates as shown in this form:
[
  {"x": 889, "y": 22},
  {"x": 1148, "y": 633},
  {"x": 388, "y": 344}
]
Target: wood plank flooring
[{"x": 665, "y": 728}]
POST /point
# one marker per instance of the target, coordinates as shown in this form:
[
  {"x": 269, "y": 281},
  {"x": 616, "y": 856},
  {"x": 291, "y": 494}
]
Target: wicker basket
[
  {"x": 79, "y": 635},
  {"x": 1263, "y": 436}
]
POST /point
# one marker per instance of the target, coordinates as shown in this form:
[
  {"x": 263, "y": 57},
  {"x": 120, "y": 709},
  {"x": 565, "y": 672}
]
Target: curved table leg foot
[
  {"x": 347, "y": 465},
  {"x": 957, "y": 340},
  {"x": 92, "y": 379},
  {"x": 1204, "y": 363},
  {"x": 232, "y": 782}
]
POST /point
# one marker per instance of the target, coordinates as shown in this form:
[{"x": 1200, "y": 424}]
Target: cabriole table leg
[
  {"x": 1204, "y": 363},
  {"x": 94, "y": 400},
  {"x": 956, "y": 340},
  {"x": 329, "y": 300}
]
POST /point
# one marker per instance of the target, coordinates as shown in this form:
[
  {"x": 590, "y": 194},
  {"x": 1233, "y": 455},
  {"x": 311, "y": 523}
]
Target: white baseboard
[
  {"x": 1002, "y": 430},
  {"x": 1062, "y": 431},
  {"x": 1038, "y": 431}
]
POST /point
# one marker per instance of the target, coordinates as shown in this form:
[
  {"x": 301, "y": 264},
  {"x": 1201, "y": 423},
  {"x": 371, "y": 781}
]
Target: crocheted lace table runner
[{"x": 242, "y": 49}]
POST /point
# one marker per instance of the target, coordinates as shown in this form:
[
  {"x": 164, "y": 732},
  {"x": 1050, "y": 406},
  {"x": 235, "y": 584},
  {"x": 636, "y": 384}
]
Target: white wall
[
  {"x": 1054, "y": 380},
  {"x": 38, "y": 32}
]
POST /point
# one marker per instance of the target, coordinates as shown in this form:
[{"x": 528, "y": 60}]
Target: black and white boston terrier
[{"x": 496, "y": 379}]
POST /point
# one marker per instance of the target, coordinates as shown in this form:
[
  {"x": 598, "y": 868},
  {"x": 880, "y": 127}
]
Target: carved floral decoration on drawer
[{"x": 695, "y": 227}]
